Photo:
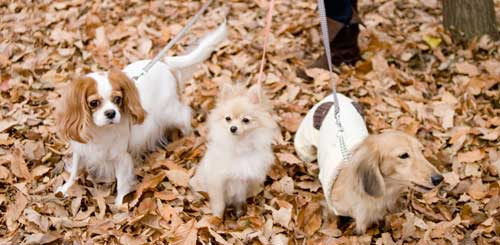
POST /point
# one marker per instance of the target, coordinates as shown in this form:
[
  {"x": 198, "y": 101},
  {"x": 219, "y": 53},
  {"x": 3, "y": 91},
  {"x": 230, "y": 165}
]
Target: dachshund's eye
[
  {"x": 228, "y": 119},
  {"x": 117, "y": 100},
  {"x": 404, "y": 156},
  {"x": 245, "y": 120},
  {"x": 94, "y": 104}
]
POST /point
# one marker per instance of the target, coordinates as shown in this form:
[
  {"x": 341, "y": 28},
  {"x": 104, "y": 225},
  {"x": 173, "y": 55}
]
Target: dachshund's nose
[
  {"x": 110, "y": 114},
  {"x": 233, "y": 129},
  {"x": 436, "y": 179}
]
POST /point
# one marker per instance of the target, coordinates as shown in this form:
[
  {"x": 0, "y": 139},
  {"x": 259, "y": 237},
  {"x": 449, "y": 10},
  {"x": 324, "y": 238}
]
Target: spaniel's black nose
[
  {"x": 233, "y": 129},
  {"x": 110, "y": 114}
]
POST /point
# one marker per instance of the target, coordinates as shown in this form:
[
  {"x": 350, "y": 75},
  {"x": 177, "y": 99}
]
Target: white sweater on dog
[{"x": 316, "y": 138}]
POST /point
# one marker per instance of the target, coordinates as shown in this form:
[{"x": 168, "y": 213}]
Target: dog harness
[
  {"x": 322, "y": 110},
  {"x": 330, "y": 159}
]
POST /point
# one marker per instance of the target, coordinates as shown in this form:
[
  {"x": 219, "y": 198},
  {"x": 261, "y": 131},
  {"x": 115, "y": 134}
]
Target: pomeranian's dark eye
[
  {"x": 404, "y": 156},
  {"x": 245, "y": 120},
  {"x": 94, "y": 103},
  {"x": 228, "y": 119},
  {"x": 117, "y": 100}
]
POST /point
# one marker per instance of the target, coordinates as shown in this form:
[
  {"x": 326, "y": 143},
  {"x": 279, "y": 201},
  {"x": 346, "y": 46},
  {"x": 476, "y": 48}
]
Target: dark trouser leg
[
  {"x": 339, "y": 10},
  {"x": 343, "y": 33}
]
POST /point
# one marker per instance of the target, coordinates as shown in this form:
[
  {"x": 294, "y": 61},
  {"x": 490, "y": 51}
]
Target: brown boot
[{"x": 343, "y": 44}]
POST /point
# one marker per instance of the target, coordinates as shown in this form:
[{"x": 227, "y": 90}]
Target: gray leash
[
  {"x": 324, "y": 30},
  {"x": 173, "y": 41}
]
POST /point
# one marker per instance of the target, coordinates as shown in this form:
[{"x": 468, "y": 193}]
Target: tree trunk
[{"x": 466, "y": 19}]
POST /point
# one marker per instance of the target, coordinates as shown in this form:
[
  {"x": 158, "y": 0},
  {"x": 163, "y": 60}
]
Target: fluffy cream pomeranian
[{"x": 239, "y": 153}]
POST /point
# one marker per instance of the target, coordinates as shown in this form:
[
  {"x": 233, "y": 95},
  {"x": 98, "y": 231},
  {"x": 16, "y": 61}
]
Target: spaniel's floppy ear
[
  {"x": 131, "y": 100},
  {"x": 367, "y": 159},
  {"x": 73, "y": 116}
]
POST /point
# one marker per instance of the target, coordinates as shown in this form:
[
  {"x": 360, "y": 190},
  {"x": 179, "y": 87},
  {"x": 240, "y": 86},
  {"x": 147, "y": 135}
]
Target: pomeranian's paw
[
  {"x": 218, "y": 208},
  {"x": 119, "y": 200},
  {"x": 360, "y": 229},
  {"x": 186, "y": 130},
  {"x": 239, "y": 211},
  {"x": 219, "y": 213},
  {"x": 195, "y": 183}
]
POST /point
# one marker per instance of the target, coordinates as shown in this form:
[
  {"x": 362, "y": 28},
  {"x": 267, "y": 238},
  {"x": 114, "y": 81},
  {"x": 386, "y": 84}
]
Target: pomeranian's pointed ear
[
  {"x": 225, "y": 91},
  {"x": 255, "y": 94}
]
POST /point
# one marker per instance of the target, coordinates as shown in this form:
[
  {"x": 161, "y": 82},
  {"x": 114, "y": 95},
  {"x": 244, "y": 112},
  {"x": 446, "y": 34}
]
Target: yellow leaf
[{"x": 432, "y": 41}]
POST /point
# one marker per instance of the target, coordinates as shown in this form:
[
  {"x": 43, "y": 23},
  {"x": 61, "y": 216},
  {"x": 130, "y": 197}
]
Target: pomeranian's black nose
[
  {"x": 436, "y": 179},
  {"x": 233, "y": 129},
  {"x": 110, "y": 114}
]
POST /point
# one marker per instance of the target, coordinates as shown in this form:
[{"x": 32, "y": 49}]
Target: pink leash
[{"x": 267, "y": 30}]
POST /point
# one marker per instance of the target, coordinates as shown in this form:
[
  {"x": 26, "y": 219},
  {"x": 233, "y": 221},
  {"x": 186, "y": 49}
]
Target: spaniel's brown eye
[
  {"x": 94, "y": 104},
  {"x": 245, "y": 120},
  {"x": 228, "y": 119},
  {"x": 117, "y": 100},
  {"x": 404, "y": 156}
]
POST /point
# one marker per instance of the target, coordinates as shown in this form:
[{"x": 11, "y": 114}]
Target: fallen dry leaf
[
  {"x": 41, "y": 221},
  {"x": 4, "y": 172},
  {"x": 288, "y": 158},
  {"x": 472, "y": 169},
  {"x": 478, "y": 190},
  {"x": 471, "y": 156},
  {"x": 291, "y": 121},
  {"x": 467, "y": 68},
  {"x": 282, "y": 216},
  {"x": 128, "y": 239},
  {"x": 310, "y": 218},
  {"x": 14, "y": 211},
  {"x": 451, "y": 178},
  {"x": 178, "y": 177},
  {"x": 18, "y": 165},
  {"x": 148, "y": 183},
  {"x": 185, "y": 234},
  {"x": 40, "y": 171},
  {"x": 42, "y": 238}
]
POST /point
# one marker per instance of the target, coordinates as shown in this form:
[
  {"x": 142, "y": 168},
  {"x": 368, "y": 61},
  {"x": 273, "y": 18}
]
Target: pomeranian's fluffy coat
[{"x": 239, "y": 154}]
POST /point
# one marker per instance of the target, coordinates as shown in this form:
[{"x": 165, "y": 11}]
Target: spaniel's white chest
[{"x": 106, "y": 145}]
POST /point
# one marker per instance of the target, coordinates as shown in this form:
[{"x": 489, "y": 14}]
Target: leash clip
[{"x": 136, "y": 78}]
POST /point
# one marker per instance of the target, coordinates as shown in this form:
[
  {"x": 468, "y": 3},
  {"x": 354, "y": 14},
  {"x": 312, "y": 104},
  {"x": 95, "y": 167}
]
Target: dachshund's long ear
[
  {"x": 131, "y": 100},
  {"x": 73, "y": 115},
  {"x": 367, "y": 159}
]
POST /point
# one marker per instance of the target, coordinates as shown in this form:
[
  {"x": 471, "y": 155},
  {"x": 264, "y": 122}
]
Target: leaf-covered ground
[{"x": 411, "y": 78}]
